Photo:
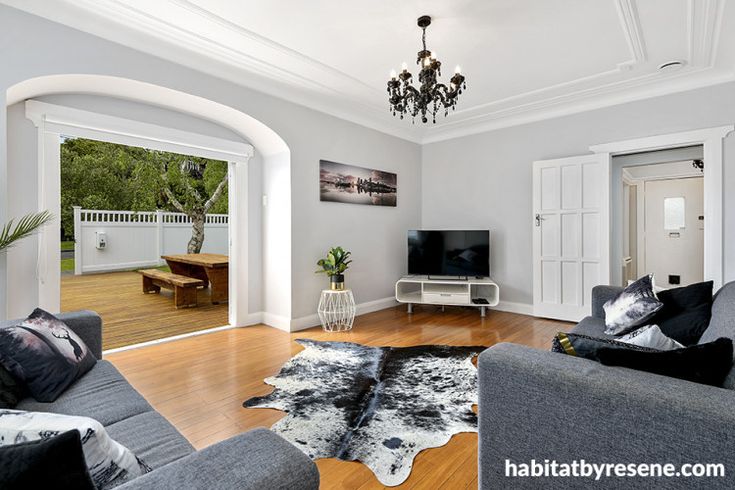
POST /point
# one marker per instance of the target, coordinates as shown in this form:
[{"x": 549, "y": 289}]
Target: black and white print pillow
[
  {"x": 650, "y": 336},
  {"x": 43, "y": 354},
  {"x": 109, "y": 462},
  {"x": 632, "y": 307}
]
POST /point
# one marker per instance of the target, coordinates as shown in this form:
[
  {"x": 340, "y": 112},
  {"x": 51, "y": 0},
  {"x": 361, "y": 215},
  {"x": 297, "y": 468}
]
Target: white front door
[
  {"x": 571, "y": 234},
  {"x": 674, "y": 231}
]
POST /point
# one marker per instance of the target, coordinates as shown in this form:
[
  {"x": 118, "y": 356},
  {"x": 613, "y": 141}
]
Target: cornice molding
[{"x": 301, "y": 79}]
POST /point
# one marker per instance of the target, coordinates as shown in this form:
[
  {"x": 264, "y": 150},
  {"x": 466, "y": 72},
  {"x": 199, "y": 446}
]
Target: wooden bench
[{"x": 185, "y": 288}]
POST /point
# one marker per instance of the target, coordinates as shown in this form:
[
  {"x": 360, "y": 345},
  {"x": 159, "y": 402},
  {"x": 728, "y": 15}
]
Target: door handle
[{"x": 539, "y": 219}]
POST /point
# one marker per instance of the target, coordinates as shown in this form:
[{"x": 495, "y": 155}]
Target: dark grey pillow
[
  {"x": 55, "y": 462},
  {"x": 44, "y": 354},
  {"x": 11, "y": 392},
  {"x": 579, "y": 345},
  {"x": 632, "y": 307}
]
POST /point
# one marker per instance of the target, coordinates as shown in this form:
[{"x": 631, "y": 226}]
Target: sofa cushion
[
  {"x": 102, "y": 394},
  {"x": 722, "y": 323},
  {"x": 686, "y": 312},
  {"x": 56, "y": 462},
  {"x": 592, "y": 327},
  {"x": 634, "y": 306},
  {"x": 152, "y": 438},
  {"x": 109, "y": 462},
  {"x": 44, "y": 354},
  {"x": 704, "y": 363}
]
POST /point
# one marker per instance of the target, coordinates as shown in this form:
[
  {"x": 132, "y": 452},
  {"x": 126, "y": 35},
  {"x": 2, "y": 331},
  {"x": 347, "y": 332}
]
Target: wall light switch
[{"x": 265, "y": 200}]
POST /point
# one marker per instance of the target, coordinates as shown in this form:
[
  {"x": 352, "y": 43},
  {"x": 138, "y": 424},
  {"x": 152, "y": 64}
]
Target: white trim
[
  {"x": 712, "y": 141},
  {"x": 512, "y": 307},
  {"x": 93, "y": 125},
  {"x": 54, "y": 120},
  {"x": 276, "y": 321},
  {"x": 266, "y": 66},
  {"x": 166, "y": 339},
  {"x": 312, "y": 320},
  {"x": 253, "y": 319}
]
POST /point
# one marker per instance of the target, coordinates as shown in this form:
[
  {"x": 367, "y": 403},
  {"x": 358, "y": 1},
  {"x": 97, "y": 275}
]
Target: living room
[{"x": 521, "y": 181}]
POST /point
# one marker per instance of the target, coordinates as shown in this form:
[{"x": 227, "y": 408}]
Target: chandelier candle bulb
[
  {"x": 431, "y": 95},
  {"x": 457, "y": 70},
  {"x": 392, "y": 74}
]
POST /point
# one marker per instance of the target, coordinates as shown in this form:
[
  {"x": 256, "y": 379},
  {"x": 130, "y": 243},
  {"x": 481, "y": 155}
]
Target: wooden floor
[
  {"x": 131, "y": 317},
  {"x": 199, "y": 383}
]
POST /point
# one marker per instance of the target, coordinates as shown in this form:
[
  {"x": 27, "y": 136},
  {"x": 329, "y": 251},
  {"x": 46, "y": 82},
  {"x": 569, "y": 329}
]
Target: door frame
[
  {"x": 712, "y": 140},
  {"x": 53, "y": 120}
]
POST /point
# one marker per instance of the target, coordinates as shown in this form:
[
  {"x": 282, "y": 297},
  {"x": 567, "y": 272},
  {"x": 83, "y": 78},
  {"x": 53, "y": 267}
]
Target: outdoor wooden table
[{"x": 210, "y": 268}]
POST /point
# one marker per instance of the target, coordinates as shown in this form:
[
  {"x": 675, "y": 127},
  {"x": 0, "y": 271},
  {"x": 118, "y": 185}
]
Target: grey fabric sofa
[
  {"x": 539, "y": 405},
  {"x": 258, "y": 459}
]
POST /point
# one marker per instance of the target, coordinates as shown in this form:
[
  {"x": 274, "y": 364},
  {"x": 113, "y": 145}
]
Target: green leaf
[{"x": 26, "y": 226}]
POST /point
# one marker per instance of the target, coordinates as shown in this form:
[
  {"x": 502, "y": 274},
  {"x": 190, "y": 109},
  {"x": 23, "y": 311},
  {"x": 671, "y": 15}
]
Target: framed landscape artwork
[{"x": 356, "y": 185}]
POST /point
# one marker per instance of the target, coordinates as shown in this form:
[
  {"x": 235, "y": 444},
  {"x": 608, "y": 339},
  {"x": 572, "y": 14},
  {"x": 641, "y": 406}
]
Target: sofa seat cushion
[
  {"x": 102, "y": 394},
  {"x": 152, "y": 438},
  {"x": 592, "y": 327}
]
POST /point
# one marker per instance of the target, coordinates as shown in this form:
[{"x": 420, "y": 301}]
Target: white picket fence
[{"x": 138, "y": 239}]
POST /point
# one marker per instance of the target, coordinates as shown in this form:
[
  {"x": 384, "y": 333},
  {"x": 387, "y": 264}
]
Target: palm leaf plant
[
  {"x": 25, "y": 227},
  {"x": 334, "y": 265}
]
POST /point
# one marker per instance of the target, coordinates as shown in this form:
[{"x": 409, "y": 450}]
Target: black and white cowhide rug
[{"x": 378, "y": 405}]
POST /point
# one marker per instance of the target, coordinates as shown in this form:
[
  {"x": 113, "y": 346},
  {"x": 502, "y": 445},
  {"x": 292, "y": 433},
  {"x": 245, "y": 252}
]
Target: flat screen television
[{"x": 460, "y": 253}]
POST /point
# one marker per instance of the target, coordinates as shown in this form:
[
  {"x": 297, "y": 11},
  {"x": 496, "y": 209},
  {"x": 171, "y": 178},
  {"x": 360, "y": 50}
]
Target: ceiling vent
[{"x": 673, "y": 65}]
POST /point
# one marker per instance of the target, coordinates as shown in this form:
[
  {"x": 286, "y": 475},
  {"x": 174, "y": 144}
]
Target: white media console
[{"x": 447, "y": 292}]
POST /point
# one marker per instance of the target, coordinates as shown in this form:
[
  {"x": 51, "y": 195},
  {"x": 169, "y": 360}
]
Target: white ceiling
[
  {"x": 524, "y": 60},
  {"x": 657, "y": 171}
]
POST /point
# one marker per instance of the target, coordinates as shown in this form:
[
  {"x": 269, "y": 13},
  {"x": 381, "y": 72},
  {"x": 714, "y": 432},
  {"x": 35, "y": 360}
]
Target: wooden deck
[
  {"x": 199, "y": 383},
  {"x": 131, "y": 317}
]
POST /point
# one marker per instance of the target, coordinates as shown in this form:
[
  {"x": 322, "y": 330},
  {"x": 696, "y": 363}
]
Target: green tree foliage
[{"x": 101, "y": 175}]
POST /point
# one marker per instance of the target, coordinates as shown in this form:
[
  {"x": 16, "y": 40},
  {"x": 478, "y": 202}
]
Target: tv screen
[{"x": 449, "y": 252}]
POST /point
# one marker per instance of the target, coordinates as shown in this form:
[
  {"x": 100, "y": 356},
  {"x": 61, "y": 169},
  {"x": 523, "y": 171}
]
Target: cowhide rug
[{"x": 378, "y": 405}]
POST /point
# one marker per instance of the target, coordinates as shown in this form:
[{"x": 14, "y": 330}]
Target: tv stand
[{"x": 480, "y": 293}]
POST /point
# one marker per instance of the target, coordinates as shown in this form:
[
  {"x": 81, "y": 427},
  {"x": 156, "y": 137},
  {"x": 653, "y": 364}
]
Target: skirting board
[
  {"x": 304, "y": 322},
  {"x": 368, "y": 307},
  {"x": 510, "y": 307}
]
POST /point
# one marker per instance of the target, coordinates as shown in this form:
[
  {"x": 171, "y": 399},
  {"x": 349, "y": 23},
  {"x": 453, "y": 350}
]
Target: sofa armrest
[
  {"x": 600, "y": 296},
  {"x": 258, "y": 459},
  {"x": 88, "y": 325},
  {"x": 537, "y": 405}
]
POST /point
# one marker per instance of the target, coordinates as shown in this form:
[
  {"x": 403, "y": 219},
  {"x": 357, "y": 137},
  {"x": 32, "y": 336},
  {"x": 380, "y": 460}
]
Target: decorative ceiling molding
[
  {"x": 204, "y": 40},
  {"x": 631, "y": 24},
  {"x": 705, "y": 21}
]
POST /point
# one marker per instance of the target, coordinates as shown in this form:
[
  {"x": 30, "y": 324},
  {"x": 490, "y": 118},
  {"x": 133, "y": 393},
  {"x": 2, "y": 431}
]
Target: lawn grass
[
  {"x": 67, "y": 245},
  {"x": 67, "y": 265}
]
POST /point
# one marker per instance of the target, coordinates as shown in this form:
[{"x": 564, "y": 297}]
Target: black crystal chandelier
[{"x": 430, "y": 97}]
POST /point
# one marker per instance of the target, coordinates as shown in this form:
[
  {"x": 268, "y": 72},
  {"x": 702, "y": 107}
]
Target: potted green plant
[
  {"x": 334, "y": 266},
  {"x": 25, "y": 227}
]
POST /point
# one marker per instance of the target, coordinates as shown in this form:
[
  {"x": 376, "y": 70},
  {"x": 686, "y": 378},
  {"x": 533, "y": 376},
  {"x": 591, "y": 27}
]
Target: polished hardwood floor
[
  {"x": 132, "y": 317},
  {"x": 199, "y": 383}
]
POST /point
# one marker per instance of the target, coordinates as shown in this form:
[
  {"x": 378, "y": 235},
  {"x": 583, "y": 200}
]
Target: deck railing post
[
  {"x": 159, "y": 236},
  {"x": 77, "y": 240}
]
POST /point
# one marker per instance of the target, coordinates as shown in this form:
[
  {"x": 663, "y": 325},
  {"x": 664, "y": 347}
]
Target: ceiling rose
[{"x": 431, "y": 96}]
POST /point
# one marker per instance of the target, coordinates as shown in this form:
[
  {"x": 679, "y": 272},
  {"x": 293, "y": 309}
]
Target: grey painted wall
[
  {"x": 376, "y": 235},
  {"x": 22, "y": 155},
  {"x": 484, "y": 180}
]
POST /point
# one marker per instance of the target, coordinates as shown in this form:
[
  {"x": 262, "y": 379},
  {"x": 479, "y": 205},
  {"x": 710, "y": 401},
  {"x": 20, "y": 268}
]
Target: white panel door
[
  {"x": 571, "y": 234},
  {"x": 675, "y": 244}
]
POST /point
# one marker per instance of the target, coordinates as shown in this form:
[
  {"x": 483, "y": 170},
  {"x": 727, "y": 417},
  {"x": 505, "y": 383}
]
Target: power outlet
[{"x": 674, "y": 279}]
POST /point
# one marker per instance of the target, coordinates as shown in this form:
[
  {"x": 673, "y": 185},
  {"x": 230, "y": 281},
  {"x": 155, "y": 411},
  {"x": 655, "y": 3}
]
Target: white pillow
[
  {"x": 650, "y": 336},
  {"x": 109, "y": 462}
]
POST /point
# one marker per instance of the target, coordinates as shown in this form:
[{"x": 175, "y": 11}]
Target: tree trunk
[{"x": 197, "y": 234}]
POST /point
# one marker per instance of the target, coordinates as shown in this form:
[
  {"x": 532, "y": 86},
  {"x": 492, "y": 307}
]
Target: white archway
[{"x": 272, "y": 148}]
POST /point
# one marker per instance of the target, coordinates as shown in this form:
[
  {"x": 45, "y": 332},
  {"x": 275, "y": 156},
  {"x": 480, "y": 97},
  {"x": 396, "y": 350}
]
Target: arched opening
[{"x": 275, "y": 155}]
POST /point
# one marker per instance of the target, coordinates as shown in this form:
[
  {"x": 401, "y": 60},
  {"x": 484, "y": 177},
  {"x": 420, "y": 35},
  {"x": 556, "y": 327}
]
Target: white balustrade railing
[{"x": 135, "y": 239}]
